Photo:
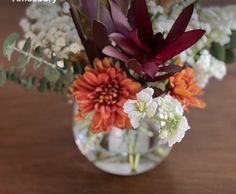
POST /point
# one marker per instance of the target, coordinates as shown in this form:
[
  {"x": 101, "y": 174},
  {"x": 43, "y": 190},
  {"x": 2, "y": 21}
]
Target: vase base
[
  {"x": 124, "y": 169},
  {"x": 121, "y": 152}
]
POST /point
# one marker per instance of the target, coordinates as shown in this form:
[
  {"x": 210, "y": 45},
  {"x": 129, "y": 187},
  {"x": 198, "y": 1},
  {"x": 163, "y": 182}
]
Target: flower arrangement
[{"x": 132, "y": 61}]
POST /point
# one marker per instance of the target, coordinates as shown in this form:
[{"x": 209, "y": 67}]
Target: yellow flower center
[
  {"x": 141, "y": 106},
  {"x": 107, "y": 93}
]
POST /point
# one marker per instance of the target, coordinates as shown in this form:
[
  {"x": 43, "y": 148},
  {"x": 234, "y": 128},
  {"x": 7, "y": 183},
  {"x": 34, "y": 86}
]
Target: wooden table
[{"x": 38, "y": 154}]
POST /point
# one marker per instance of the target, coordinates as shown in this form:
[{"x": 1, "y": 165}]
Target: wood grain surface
[{"x": 38, "y": 154}]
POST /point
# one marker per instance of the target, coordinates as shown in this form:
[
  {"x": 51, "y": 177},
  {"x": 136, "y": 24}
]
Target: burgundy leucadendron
[{"x": 128, "y": 24}]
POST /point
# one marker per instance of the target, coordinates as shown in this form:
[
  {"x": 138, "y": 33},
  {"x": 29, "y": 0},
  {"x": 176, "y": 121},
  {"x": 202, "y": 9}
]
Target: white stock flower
[
  {"x": 173, "y": 124},
  {"x": 218, "y": 68},
  {"x": 201, "y": 69},
  {"x": 177, "y": 134},
  {"x": 143, "y": 107},
  {"x": 206, "y": 67}
]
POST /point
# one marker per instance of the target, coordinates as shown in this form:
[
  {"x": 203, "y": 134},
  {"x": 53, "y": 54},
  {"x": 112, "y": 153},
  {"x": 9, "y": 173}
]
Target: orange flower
[
  {"x": 104, "y": 89},
  {"x": 185, "y": 89}
]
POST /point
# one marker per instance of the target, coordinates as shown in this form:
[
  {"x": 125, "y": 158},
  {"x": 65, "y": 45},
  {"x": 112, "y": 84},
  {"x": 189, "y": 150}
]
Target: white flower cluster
[
  {"x": 217, "y": 21},
  {"x": 166, "y": 111},
  {"x": 51, "y": 27},
  {"x": 222, "y": 22},
  {"x": 206, "y": 67}
]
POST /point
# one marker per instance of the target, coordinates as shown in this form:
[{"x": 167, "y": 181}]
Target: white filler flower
[
  {"x": 173, "y": 124},
  {"x": 144, "y": 106},
  {"x": 51, "y": 27}
]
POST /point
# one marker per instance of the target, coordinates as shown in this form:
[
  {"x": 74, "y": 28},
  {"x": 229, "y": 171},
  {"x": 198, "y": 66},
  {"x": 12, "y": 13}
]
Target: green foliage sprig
[
  {"x": 225, "y": 53},
  {"x": 55, "y": 79}
]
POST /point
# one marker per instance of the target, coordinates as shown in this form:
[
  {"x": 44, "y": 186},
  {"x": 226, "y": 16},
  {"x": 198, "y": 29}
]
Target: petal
[
  {"x": 179, "y": 133},
  {"x": 112, "y": 52},
  {"x": 151, "y": 68},
  {"x": 137, "y": 41},
  {"x": 135, "y": 66},
  {"x": 96, "y": 123},
  {"x": 181, "y": 23},
  {"x": 151, "y": 110},
  {"x": 124, "y": 5},
  {"x": 150, "y": 91},
  {"x": 106, "y": 19},
  {"x": 83, "y": 84},
  {"x": 145, "y": 95},
  {"x": 157, "y": 41},
  {"x": 126, "y": 45},
  {"x": 120, "y": 120},
  {"x": 91, "y": 78},
  {"x": 103, "y": 78},
  {"x": 135, "y": 119},
  {"x": 170, "y": 69},
  {"x": 142, "y": 20},
  {"x": 89, "y": 8},
  {"x": 130, "y": 106},
  {"x": 195, "y": 102},
  {"x": 120, "y": 20},
  {"x": 100, "y": 34},
  {"x": 182, "y": 43}
]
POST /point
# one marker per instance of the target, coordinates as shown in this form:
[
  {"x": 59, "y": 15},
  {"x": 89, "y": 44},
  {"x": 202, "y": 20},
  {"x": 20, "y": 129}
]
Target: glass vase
[{"x": 122, "y": 151}]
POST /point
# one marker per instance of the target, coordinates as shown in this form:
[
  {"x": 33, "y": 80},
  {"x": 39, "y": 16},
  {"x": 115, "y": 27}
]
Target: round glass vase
[{"x": 122, "y": 151}]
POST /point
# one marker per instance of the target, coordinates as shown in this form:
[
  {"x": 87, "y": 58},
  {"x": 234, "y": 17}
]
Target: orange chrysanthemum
[
  {"x": 104, "y": 89},
  {"x": 185, "y": 89}
]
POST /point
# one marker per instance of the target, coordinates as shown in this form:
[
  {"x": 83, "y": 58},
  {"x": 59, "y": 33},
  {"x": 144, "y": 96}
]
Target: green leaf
[
  {"x": 30, "y": 82},
  {"x": 3, "y": 77},
  {"x": 68, "y": 77},
  {"x": 22, "y": 72},
  {"x": 24, "y": 57},
  {"x": 78, "y": 68},
  {"x": 10, "y": 71},
  {"x": 13, "y": 77},
  {"x": 59, "y": 87},
  {"x": 27, "y": 45},
  {"x": 21, "y": 62},
  {"x": 49, "y": 87},
  {"x": 42, "y": 85},
  {"x": 233, "y": 40},
  {"x": 52, "y": 74},
  {"x": 230, "y": 56},
  {"x": 9, "y": 45},
  {"x": 39, "y": 54},
  {"x": 218, "y": 51}
]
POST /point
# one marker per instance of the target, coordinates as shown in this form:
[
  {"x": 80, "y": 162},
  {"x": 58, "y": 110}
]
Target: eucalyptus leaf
[
  {"x": 59, "y": 87},
  {"x": 39, "y": 54},
  {"x": 21, "y": 62},
  {"x": 3, "y": 77},
  {"x": 22, "y": 72},
  {"x": 24, "y": 57},
  {"x": 30, "y": 82},
  {"x": 9, "y": 45},
  {"x": 11, "y": 71},
  {"x": 52, "y": 74},
  {"x": 68, "y": 77},
  {"x": 13, "y": 77},
  {"x": 78, "y": 68},
  {"x": 27, "y": 45},
  {"x": 42, "y": 84},
  {"x": 49, "y": 87}
]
